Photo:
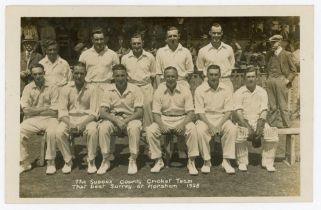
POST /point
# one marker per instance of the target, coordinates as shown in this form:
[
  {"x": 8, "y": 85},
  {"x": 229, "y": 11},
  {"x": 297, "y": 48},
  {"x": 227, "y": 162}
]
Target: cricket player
[
  {"x": 121, "y": 112},
  {"x": 141, "y": 70},
  {"x": 213, "y": 104},
  {"x": 174, "y": 54},
  {"x": 173, "y": 111},
  {"x": 77, "y": 114},
  {"x": 39, "y": 103},
  {"x": 251, "y": 105},
  {"x": 217, "y": 53}
]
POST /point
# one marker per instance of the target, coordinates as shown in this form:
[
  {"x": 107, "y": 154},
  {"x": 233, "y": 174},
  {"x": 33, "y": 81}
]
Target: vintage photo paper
[{"x": 250, "y": 30}]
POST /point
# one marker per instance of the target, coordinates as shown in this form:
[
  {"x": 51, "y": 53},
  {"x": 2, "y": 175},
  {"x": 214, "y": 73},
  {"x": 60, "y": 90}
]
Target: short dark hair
[
  {"x": 97, "y": 30},
  {"x": 251, "y": 69},
  {"x": 119, "y": 67},
  {"x": 37, "y": 65},
  {"x": 169, "y": 68},
  {"x": 216, "y": 25},
  {"x": 172, "y": 28},
  {"x": 80, "y": 64},
  {"x": 213, "y": 67},
  {"x": 50, "y": 43},
  {"x": 136, "y": 35}
]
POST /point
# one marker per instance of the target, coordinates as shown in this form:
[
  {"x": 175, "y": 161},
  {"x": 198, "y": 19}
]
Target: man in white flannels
[
  {"x": 140, "y": 67},
  {"x": 121, "y": 110},
  {"x": 173, "y": 111},
  {"x": 57, "y": 69},
  {"x": 77, "y": 114},
  {"x": 39, "y": 103},
  {"x": 217, "y": 53},
  {"x": 174, "y": 54},
  {"x": 213, "y": 105},
  {"x": 251, "y": 104}
]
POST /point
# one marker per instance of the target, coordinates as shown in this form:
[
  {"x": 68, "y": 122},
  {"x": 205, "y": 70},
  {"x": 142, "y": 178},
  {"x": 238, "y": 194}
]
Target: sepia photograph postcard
[{"x": 154, "y": 104}]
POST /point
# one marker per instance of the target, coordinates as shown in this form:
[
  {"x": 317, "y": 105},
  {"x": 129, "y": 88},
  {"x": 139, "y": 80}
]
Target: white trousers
[
  {"x": 147, "y": 91},
  {"x": 270, "y": 143},
  {"x": 107, "y": 128},
  {"x": 90, "y": 133},
  {"x": 154, "y": 134},
  {"x": 229, "y": 131},
  {"x": 34, "y": 125}
]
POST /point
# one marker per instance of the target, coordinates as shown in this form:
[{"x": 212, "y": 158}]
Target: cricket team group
[{"x": 104, "y": 97}]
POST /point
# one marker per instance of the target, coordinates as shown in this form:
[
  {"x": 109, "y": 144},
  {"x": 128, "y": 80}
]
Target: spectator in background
[
  {"x": 203, "y": 41},
  {"x": 284, "y": 32},
  {"x": 57, "y": 69},
  {"x": 263, "y": 45},
  {"x": 28, "y": 58},
  {"x": 122, "y": 48},
  {"x": 47, "y": 32},
  {"x": 29, "y": 29},
  {"x": 257, "y": 31},
  {"x": 80, "y": 48},
  {"x": 249, "y": 50},
  {"x": 296, "y": 55},
  {"x": 281, "y": 71},
  {"x": 191, "y": 47},
  {"x": 83, "y": 33},
  {"x": 152, "y": 46},
  {"x": 83, "y": 38},
  {"x": 237, "y": 51}
]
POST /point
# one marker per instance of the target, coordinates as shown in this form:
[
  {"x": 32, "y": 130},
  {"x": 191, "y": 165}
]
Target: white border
[{"x": 317, "y": 154}]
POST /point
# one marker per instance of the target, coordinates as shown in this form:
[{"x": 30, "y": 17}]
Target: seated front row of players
[{"x": 121, "y": 112}]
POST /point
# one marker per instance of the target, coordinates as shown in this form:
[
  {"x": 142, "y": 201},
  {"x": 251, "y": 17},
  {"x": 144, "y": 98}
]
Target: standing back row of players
[
  {"x": 121, "y": 110},
  {"x": 147, "y": 72}
]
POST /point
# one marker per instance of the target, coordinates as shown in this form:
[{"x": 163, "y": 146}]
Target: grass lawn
[{"x": 256, "y": 182}]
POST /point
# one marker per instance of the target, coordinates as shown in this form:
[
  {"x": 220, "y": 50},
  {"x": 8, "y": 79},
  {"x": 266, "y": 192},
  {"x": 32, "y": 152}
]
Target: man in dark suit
[
  {"x": 281, "y": 72},
  {"x": 28, "y": 58}
]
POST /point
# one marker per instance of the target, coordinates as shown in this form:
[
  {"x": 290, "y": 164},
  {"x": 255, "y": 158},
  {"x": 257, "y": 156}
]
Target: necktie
[{"x": 28, "y": 55}]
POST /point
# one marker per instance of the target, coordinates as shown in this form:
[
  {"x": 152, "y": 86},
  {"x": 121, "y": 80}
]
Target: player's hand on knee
[{"x": 165, "y": 129}]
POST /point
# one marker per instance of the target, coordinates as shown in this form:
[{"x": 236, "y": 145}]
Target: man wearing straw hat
[{"x": 28, "y": 58}]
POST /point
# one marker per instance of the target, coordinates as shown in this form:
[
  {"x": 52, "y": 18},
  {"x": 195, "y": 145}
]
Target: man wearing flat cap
[{"x": 281, "y": 72}]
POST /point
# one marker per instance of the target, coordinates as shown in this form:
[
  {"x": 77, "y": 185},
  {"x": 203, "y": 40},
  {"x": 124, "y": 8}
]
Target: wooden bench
[
  {"x": 290, "y": 155},
  {"x": 290, "y": 134}
]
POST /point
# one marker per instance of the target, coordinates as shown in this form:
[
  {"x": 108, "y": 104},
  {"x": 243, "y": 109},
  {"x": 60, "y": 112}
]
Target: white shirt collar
[
  {"x": 207, "y": 87},
  {"x": 94, "y": 50},
  {"x": 277, "y": 51},
  {"x": 131, "y": 54},
  {"x": 179, "y": 47},
  {"x": 129, "y": 88},
  {"x": 177, "y": 89},
  {"x": 247, "y": 90},
  {"x": 46, "y": 59},
  {"x": 222, "y": 45}
]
